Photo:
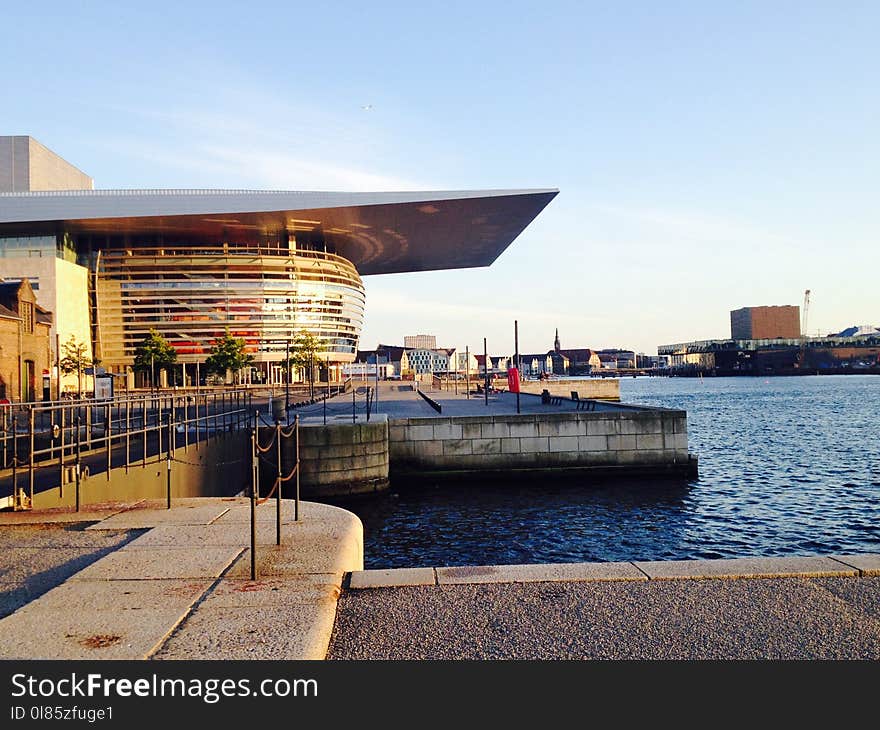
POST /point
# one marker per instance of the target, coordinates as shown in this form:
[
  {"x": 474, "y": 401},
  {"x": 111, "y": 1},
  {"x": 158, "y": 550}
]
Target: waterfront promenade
[
  {"x": 129, "y": 581},
  {"x": 400, "y": 400}
]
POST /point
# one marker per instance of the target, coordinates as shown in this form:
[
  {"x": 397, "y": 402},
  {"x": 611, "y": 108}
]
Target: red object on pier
[{"x": 513, "y": 380}]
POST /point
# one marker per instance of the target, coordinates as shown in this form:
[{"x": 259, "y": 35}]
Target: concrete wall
[
  {"x": 220, "y": 467},
  {"x": 626, "y": 438},
  {"x": 599, "y": 388},
  {"x": 27, "y": 165},
  {"x": 343, "y": 458}
]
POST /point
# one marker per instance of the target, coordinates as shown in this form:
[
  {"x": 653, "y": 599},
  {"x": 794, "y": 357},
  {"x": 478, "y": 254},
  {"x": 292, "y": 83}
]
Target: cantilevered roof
[{"x": 381, "y": 233}]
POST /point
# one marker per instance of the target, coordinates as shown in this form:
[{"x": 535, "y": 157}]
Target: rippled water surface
[{"x": 787, "y": 466}]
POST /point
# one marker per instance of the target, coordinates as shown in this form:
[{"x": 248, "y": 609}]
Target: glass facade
[
  {"x": 61, "y": 246},
  {"x": 194, "y": 294}
]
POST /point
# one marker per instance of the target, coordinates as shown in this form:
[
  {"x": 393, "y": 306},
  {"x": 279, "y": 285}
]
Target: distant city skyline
[{"x": 708, "y": 157}]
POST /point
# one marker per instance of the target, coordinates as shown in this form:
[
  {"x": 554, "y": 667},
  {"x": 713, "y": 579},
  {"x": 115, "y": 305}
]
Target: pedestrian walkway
[
  {"x": 182, "y": 588},
  {"x": 754, "y": 608}
]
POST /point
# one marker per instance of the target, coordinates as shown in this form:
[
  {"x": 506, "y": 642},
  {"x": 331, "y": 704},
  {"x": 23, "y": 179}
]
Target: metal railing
[
  {"x": 259, "y": 454},
  {"x": 57, "y": 436}
]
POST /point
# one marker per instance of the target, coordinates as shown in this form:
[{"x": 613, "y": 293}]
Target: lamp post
[{"x": 287, "y": 377}]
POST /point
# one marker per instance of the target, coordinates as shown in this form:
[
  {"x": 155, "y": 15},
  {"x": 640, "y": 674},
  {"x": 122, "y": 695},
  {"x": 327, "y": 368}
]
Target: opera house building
[{"x": 193, "y": 264}]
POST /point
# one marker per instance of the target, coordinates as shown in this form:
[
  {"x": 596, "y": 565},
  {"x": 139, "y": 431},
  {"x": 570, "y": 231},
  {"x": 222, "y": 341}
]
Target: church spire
[{"x": 556, "y": 341}]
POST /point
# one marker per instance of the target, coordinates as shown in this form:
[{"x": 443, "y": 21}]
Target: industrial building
[{"x": 765, "y": 323}]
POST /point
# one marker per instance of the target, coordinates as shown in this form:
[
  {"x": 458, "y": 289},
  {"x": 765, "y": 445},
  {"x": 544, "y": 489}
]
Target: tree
[
  {"x": 76, "y": 357},
  {"x": 305, "y": 347},
  {"x": 228, "y": 353},
  {"x": 154, "y": 352}
]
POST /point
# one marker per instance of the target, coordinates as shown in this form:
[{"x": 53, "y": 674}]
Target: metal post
[
  {"x": 127, "y": 433},
  {"x": 58, "y": 363},
  {"x": 254, "y": 477},
  {"x": 296, "y": 496},
  {"x": 61, "y": 457},
  {"x": 14, "y": 457},
  {"x": 144, "y": 428},
  {"x": 353, "y": 406},
  {"x": 287, "y": 377},
  {"x": 467, "y": 372},
  {"x": 278, "y": 482},
  {"x": 486, "y": 372},
  {"x": 108, "y": 431},
  {"x": 168, "y": 460},
  {"x": 185, "y": 424},
  {"x": 31, "y": 455},
  {"x": 78, "y": 462},
  {"x": 197, "y": 421},
  {"x": 516, "y": 357}
]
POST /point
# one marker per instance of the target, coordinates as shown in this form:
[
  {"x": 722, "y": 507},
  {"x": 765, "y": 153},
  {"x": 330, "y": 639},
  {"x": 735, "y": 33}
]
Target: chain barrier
[{"x": 263, "y": 449}]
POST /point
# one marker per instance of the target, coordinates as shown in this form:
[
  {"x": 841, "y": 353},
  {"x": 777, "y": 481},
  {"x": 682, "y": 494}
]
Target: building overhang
[{"x": 380, "y": 233}]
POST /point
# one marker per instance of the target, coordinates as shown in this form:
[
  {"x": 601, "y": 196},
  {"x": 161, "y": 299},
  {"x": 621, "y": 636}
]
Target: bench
[
  {"x": 583, "y": 404},
  {"x": 547, "y": 399}
]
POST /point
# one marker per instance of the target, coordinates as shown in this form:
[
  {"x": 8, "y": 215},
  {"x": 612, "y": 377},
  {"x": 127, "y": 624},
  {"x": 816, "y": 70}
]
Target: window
[{"x": 26, "y": 310}]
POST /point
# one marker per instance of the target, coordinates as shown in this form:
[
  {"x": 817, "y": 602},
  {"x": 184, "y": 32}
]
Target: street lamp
[{"x": 287, "y": 377}]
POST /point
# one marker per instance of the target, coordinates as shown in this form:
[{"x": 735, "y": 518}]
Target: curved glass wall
[{"x": 194, "y": 295}]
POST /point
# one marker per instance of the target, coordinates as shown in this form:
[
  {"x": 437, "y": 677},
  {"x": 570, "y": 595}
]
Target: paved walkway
[
  {"x": 180, "y": 589},
  {"x": 778, "y": 608},
  {"x": 398, "y": 400},
  {"x": 138, "y": 581}
]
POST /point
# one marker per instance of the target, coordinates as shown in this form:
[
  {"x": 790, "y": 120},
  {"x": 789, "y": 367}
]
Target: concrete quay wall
[
  {"x": 342, "y": 458},
  {"x": 634, "y": 439},
  {"x": 595, "y": 388}
]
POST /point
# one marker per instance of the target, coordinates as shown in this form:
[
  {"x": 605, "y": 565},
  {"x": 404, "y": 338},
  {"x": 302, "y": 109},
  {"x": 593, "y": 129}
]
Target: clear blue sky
[{"x": 709, "y": 155}]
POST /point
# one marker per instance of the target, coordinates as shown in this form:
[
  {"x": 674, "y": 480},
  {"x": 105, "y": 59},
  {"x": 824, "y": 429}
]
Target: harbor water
[{"x": 788, "y": 466}]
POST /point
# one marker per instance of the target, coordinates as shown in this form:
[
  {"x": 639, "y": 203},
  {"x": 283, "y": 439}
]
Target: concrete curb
[{"x": 867, "y": 564}]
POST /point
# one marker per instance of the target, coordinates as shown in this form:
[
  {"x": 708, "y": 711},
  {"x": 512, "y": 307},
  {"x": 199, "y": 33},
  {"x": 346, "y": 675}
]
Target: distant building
[
  {"x": 535, "y": 365},
  {"x": 423, "y": 360},
  {"x": 648, "y": 362},
  {"x": 25, "y": 356},
  {"x": 765, "y": 323},
  {"x": 420, "y": 342},
  {"x": 616, "y": 358},
  {"x": 581, "y": 361},
  {"x": 578, "y": 361}
]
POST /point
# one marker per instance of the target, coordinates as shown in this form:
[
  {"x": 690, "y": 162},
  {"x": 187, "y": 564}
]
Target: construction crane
[
  {"x": 805, "y": 313},
  {"x": 804, "y": 319}
]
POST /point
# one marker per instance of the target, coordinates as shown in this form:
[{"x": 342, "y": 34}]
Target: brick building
[
  {"x": 765, "y": 323},
  {"x": 25, "y": 355}
]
